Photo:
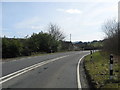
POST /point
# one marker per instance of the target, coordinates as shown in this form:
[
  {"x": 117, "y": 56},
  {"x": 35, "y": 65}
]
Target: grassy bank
[{"x": 98, "y": 70}]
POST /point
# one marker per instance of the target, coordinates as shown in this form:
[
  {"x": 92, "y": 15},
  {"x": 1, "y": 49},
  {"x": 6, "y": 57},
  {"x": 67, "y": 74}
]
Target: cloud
[
  {"x": 71, "y": 11},
  {"x": 31, "y": 23},
  {"x": 36, "y": 27}
]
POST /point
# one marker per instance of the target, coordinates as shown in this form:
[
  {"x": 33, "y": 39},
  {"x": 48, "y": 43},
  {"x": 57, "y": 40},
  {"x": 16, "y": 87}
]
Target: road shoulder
[{"x": 84, "y": 79}]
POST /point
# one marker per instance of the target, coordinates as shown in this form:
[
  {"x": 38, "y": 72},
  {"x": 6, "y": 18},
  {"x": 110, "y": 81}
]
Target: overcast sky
[{"x": 83, "y": 20}]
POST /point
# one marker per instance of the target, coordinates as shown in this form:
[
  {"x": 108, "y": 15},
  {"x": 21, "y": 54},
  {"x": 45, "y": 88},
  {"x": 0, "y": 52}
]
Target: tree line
[
  {"x": 53, "y": 41},
  {"x": 44, "y": 42},
  {"x": 93, "y": 45}
]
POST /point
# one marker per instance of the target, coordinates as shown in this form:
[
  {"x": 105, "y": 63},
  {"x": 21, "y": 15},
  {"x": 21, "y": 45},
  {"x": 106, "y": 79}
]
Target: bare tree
[
  {"x": 56, "y": 32},
  {"x": 111, "y": 29}
]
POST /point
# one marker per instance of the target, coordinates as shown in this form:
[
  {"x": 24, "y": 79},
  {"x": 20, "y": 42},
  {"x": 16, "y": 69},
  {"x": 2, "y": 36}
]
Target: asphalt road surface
[{"x": 57, "y": 70}]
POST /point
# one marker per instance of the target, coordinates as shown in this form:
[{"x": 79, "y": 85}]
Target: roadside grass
[
  {"x": 32, "y": 55},
  {"x": 98, "y": 70}
]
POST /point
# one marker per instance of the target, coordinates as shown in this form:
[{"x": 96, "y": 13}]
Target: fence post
[
  {"x": 111, "y": 66},
  {"x": 91, "y": 54}
]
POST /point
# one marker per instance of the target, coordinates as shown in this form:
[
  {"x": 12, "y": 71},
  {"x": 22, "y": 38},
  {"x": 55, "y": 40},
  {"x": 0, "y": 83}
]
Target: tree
[
  {"x": 111, "y": 30},
  {"x": 42, "y": 42},
  {"x": 10, "y": 48},
  {"x": 56, "y": 32}
]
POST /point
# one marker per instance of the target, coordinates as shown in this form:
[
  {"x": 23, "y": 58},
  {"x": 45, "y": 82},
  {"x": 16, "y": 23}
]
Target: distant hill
[{"x": 89, "y": 45}]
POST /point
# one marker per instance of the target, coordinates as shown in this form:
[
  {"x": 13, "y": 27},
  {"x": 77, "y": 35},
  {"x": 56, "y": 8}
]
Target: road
[{"x": 49, "y": 71}]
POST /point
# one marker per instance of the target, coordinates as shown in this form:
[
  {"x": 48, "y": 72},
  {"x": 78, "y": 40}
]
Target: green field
[{"x": 98, "y": 70}]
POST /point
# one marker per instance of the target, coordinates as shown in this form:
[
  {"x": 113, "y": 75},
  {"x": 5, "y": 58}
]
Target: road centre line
[{"x": 17, "y": 73}]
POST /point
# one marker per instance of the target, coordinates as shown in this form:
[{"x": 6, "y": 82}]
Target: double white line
[{"x": 22, "y": 71}]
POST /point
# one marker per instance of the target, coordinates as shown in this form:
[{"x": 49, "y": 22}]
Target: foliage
[
  {"x": 98, "y": 70},
  {"x": 112, "y": 31},
  {"x": 10, "y": 48},
  {"x": 41, "y": 42},
  {"x": 36, "y": 43},
  {"x": 56, "y": 32},
  {"x": 93, "y": 45}
]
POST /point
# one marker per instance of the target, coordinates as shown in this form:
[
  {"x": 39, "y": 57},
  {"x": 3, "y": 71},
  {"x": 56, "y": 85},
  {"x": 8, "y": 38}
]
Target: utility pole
[
  {"x": 70, "y": 43},
  {"x": 118, "y": 13},
  {"x": 118, "y": 18},
  {"x": 70, "y": 37}
]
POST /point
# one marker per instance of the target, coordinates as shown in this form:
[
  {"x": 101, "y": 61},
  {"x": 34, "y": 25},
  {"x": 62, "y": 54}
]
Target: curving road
[{"x": 49, "y": 71}]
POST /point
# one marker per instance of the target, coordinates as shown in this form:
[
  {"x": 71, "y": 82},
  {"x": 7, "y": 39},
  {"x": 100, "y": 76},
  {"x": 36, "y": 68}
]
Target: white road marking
[
  {"x": 22, "y": 71},
  {"x": 78, "y": 72},
  {"x": 17, "y": 73}
]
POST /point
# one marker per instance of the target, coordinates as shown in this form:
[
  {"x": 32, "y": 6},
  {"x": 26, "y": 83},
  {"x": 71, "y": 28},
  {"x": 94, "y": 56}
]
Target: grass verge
[
  {"x": 97, "y": 70},
  {"x": 32, "y": 55}
]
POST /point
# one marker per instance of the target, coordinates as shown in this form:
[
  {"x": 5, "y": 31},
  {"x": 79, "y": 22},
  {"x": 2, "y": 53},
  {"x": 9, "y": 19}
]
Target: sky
[{"x": 83, "y": 19}]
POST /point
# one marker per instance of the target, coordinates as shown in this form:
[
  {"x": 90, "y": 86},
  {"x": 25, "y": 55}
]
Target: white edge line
[{"x": 78, "y": 73}]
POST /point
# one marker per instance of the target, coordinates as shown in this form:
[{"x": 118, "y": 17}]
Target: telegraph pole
[{"x": 70, "y": 37}]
